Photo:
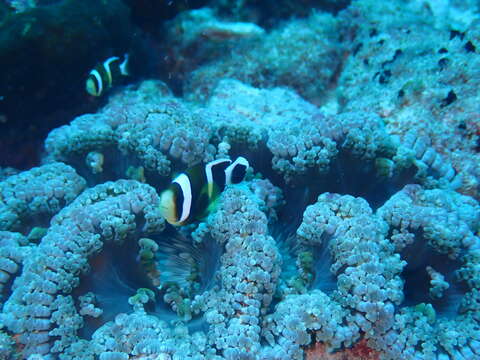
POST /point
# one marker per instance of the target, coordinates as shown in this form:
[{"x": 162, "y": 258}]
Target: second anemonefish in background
[
  {"x": 106, "y": 74},
  {"x": 192, "y": 193}
]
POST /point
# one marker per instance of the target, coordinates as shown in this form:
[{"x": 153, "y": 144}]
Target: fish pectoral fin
[{"x": 213, "y": 206}]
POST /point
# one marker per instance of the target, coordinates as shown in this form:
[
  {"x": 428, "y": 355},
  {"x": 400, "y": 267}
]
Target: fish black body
[
  {"x": 106, "y": 74},
  {"x": 192, "y": 193}
]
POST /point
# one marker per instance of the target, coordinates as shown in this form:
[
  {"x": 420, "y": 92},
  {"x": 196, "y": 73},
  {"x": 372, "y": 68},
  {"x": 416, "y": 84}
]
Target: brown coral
[{"x": 360, "y": 351}]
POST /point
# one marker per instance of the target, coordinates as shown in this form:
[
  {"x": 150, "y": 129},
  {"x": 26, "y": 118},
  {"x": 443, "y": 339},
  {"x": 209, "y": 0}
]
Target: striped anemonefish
[
  {"x": 191, "y": 194},
  {"x": 106, "y": 74}
]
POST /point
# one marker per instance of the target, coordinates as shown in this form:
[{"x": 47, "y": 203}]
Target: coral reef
[
  {"x": 225, "y": 279},
  {"x": 34, "y": 196},
  {"x": 138, "y": 126},
  {"x": 424, "y": 90},
  {"x": 355, "y": 234},
  {"x": 108, "y": 212},
  {"x": 304, "y": 55},
  {"x": 198, "y": 36},
  {"x": 365, "y": 249},
  {"x": 435, "y": 232},
  {"x": 270, "y": 13}
]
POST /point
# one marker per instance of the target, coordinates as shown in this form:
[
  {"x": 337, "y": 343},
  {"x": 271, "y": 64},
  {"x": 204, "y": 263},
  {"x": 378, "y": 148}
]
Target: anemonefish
[
  {"x": 191, "y": 194},
  {"x": 106, "y": 74}
]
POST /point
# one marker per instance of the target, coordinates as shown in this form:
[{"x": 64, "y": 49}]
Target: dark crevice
[
  {"x": 115, "y": 277},
  {"x": 443, "y": 63},
  {"x": 418, "y": 256},
  {"x": 456, "y": 33},
  {"x": 470, "y": 47},
  {"x": 449, "y": 99}
]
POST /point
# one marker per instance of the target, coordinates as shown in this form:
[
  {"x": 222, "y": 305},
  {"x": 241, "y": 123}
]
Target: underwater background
[{"x": 354, "y": 235}]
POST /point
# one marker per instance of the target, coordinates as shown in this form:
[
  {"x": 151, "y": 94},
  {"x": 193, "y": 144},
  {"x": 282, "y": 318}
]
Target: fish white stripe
[
  {"x": 228, "y": 171},
  {"x": 184, "y": 182},
  {"x": 97, "y": 76},
  {"x": 106, "y": 66},
  {"x": 209, "y": 174}
]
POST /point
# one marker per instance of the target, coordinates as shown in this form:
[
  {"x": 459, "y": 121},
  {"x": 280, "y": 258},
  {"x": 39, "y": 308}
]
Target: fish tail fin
[{"x": 124, "y": 70}]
